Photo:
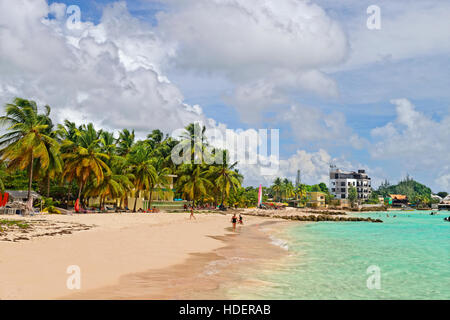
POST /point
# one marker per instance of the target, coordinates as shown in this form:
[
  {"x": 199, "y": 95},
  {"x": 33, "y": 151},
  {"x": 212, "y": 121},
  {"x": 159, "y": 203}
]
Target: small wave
[
  {"x": 215, "y": 266},
  {"x": 279, "y": 243}
]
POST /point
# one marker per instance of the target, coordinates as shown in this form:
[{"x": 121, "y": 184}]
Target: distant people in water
[{"x": 234, "y": 221}]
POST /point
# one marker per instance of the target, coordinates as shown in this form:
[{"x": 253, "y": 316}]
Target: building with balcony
[{"x": 341, "y": 181}]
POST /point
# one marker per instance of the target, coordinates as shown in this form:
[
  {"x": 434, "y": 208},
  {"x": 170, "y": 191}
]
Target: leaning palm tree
[
  {"x": 140, "y": 165},
  {"x": 27, "y": 139},
  {"x": 85, "y": 160}
]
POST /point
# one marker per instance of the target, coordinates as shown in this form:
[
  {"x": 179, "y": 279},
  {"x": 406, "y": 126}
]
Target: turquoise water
[{"x": 330, "y": 260}]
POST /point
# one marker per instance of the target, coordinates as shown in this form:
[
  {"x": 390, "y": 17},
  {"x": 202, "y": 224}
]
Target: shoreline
[
  {"x": 202, "y": 276},
  {"x": 120, "y": 247}
]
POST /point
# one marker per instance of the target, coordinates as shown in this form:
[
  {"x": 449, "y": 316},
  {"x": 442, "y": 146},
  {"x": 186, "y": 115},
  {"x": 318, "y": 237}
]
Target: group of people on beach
[{"x": 234, "y": 221}]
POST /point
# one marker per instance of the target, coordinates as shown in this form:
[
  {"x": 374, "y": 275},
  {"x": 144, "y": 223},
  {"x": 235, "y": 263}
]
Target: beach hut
[{"x": 17, "y": 200}]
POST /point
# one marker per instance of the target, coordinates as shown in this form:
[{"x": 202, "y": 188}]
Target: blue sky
[{"x": 339, "y": 92}]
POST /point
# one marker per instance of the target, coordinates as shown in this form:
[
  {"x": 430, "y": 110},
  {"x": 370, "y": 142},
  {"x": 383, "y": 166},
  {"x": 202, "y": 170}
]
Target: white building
[{"x": 341, "y": 181}]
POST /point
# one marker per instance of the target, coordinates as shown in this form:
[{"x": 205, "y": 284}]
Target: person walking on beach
[
  {"x": 241, "y": 221},
  {"x": 234, "y": 221},
  {"x": 192, "y": 214}
]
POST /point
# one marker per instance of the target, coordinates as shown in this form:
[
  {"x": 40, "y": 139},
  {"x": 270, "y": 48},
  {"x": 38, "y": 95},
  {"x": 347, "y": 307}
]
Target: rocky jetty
[{"x": 307, "y": 215}]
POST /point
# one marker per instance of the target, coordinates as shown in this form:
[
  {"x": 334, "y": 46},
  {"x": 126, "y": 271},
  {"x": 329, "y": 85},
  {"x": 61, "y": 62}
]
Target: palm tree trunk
[
  {"x": 150, "y": 199},
  {"x": 223, "y": 189},
  {"x": 79, "y": 190},
  {"x": 68, "y": 195},
  {"x": 135, "y": 200},
  {"x": 48, "y": 186},
  {"x": 30, "y": 179}
]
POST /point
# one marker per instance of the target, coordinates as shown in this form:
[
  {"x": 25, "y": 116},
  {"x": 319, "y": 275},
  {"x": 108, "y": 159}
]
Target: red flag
[
  {"x": 5, "y": 199},
  {"x": 1, "y": 200},
  {"x": 77, "y": 206}
]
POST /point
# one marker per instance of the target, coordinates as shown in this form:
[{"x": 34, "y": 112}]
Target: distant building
[
  {"x": 445, "y": 203},
  {"x": 341, "y": 181},
  {"x": 398, "y": 200},
  {"x": 316, "y": 199}
]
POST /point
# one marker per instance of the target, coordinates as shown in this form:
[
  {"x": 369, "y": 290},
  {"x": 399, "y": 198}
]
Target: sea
[{"x": 405, "y": 257}]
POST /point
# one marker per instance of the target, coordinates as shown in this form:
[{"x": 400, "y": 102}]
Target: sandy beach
[{"x": 125, "y": 255}]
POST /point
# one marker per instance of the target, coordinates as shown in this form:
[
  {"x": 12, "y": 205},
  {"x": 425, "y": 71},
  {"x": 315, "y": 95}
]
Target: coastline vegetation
[{"x": 70, "y": 161}]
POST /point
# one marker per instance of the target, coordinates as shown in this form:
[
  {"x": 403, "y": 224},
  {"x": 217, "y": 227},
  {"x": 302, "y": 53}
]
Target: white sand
[{"x": 120, "y": 244}]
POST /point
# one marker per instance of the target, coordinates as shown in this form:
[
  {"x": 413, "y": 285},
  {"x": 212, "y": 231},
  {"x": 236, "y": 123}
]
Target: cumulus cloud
[
  {"x": 263, "y": 47},
  {"x": 312, "y": 125},
  {"x": 417, "y": 140},
  {"x": 109, "y": 73}
]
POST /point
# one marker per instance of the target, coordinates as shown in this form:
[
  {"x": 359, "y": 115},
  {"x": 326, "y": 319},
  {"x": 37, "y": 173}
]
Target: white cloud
[
  {"x": 251, "y": 37},
  {"x": 264, "y": 48},
  {"x": 312, "y": 125},
  {"x": 109, "y": 73},
  {"x": 409, "y": 29},
  {"x": 418, "y": 141}
]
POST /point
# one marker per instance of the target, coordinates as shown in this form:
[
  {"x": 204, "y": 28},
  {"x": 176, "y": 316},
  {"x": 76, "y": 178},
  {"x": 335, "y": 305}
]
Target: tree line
[{"x": 69, "y": 161}]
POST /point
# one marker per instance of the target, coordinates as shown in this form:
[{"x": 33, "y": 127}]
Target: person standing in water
[
  {"x": 241, "y": 221},
  {"x": 234, "y": 221},
  {"x": 192, "y": 214}
]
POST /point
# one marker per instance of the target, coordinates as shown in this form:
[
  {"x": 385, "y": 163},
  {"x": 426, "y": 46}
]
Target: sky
[{"x": 339, "y": 92}]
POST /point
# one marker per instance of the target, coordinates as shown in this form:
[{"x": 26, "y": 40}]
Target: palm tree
[
  {"x": 277, "y": 188},
  {"x": 225, "y": 177},
  {"x": 194, "y": 138},
  {"x": 26, "y": 140},
  {"x": 140, "y": 165},
  {"x": 125, "y": 142},
  {"x": 55, "y": 165},
  {"x": 300, "y": 192},
  {"x": 85, "y": 160},
  {"x": 288, "y": 188},
  {"x": 113, "y": 186},
  {"x": 162, "y": 178},
  {"x": 107, "y": 143},
  {"x": 193, "y": 182}
]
